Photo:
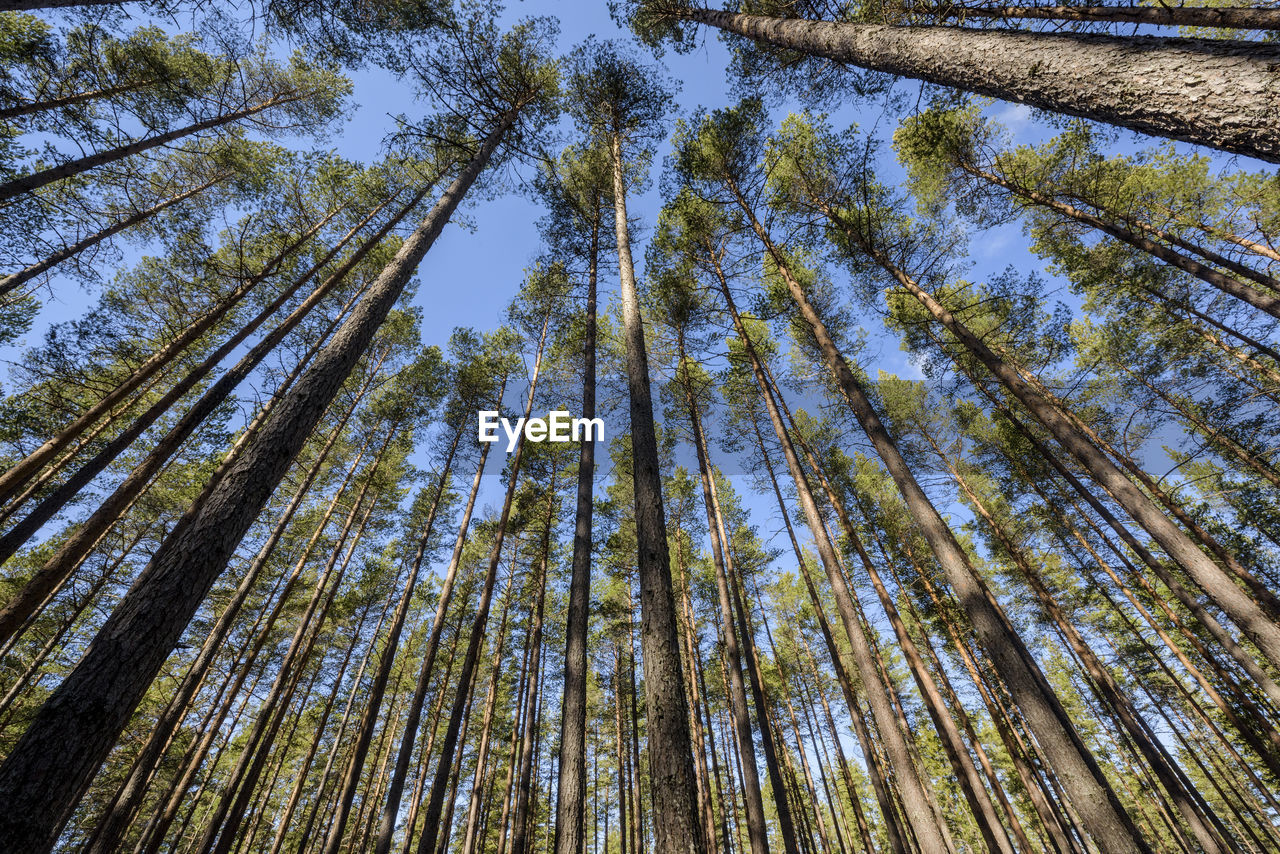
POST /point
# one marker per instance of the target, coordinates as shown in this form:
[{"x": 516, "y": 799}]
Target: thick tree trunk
[
  {"x": 51, "y": 766},
  {"x": 675, "y": 798},
  {"x": 115, "y": 821},
  {"x": 1164, "y": 16},
  {"x": 570, "y": 822},
  {"x": 1222, "y": 94}
]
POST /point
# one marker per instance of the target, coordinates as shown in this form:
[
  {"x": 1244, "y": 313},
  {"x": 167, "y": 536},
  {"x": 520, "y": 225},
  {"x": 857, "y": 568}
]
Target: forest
[{"x": 936, "y": 347}]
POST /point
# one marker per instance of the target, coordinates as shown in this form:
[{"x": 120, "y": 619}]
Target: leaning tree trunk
[
  {"x": 1261, "y": 300},
  {"x": 1223, "y": 94},
  {"x": 915, "y": 800},
  {"x": 678, "y": 829},
  {"x": 71, "y": 168},
  {"x": 26, "y": 274},
  {"x": 1162, "y": 16},
  {"x": 1091, "y": 795},
  {"x": 73, "y": 550},
  {"x": 164, "y": 355},
  {"x": 360, "y": 750},
  {"x": 53, "y": 763},
  {"x": 432, "y": 817},
  {"x": 757, "y": 832}
]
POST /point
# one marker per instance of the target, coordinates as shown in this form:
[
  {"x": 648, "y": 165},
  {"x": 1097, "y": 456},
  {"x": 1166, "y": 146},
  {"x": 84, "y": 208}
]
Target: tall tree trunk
[
  {"x": 165, "y": 354},
  {"x": 128, "y": 798},
  {"x": 1163, "y": 16},
  {"x": 360, "y": 749},
  {"x": 404, "y": 756},
  {"x": 472, "y": 836},
  {"x": 915, "y": 801},
  {"x": 51, "y": 766},
  {"x": 1216, "y": 93},
  {"x": 571, "y": 795},
  {"x": 675, "y": 799},
  {"x": 521, "y": 821},
  {"x": 431, "y": 823},
  {"x": 757, "y": 832},
  {"x": 71, "y": 168},
  {"x": 71, "y": 552},
  {"x": 15, "y": 280}
]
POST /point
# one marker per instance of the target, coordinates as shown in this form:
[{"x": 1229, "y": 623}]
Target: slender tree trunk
[
  {"x": 15, "y": 280},
  {"x": 165, "y": 354},
  {"x": 520, "y": 821},
  {"x": 404, "y": 756},
  {"x": 675, "y": 800},
  {"x": 71, "y": 552},
  {"x": 1230, "y": 285},
  {"x": 470, "y": 835},
  {"x": 47, "y": 771},
  {"x": 71, "y": 168},
  {"x": 1216, "y": 93},
  {"x": 1102, "y": 812},
  {"x": 570, "y": 833},
  {"x": 915, "y": 802},
  {"x": 757, "y": 832},
  {"x": 31, "y": 107},
  {"x": 431, "y": 825},
  {"x": 360, "y": 749}
]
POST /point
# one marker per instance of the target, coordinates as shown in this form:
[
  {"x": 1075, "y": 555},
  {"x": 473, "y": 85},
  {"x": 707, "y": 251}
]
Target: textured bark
[
  {"x": 71, "y": 168},
  {"x": 128, "y": 799},
  {"x": 1223, "y": 94},
  {"x": 1166, "y": 16},
  {"x": 570, "y": 822},
  {"x": 51, "y": 766},
  {"x": 675, "y": 799},
  {"x": 26, "y": 274}
]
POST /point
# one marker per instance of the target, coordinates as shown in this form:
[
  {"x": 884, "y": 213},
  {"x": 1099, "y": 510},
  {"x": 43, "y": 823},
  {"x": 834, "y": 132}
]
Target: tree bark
[
  {"x": 675, "y": 800},
  {"x": 570, "y": 821},
  {"x": 1222, "y": 94}
]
